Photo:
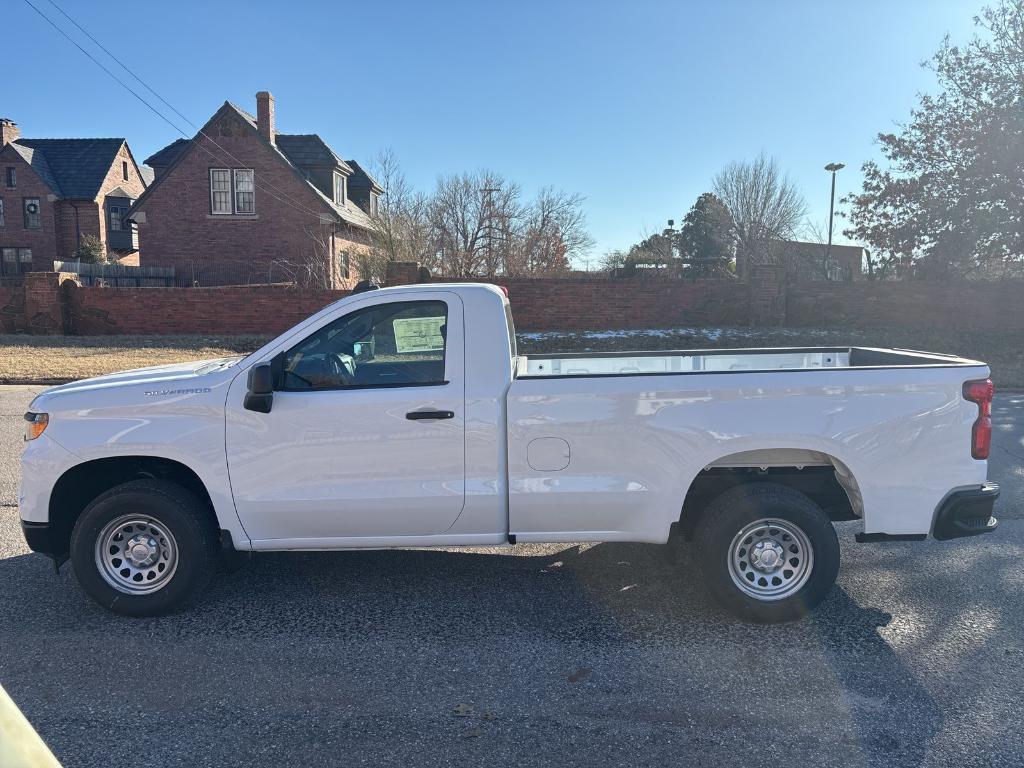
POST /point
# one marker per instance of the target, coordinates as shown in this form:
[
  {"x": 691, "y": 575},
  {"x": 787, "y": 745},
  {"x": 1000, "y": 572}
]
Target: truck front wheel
[
  {"x": 144, "y": 548},
  {"x": 767, "y": 552}
]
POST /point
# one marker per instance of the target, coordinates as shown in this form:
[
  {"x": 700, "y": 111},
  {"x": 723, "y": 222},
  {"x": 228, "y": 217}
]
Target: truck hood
[{"x": 175, "y": 378}]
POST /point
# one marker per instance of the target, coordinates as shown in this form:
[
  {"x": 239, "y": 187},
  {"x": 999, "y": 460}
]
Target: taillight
[
  {"x": 980, "y": 391},
  {"x": 503, "y": 289}
]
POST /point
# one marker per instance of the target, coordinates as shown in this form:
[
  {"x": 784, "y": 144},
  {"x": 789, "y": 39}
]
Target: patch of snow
[{"x": 711, "y": 333}]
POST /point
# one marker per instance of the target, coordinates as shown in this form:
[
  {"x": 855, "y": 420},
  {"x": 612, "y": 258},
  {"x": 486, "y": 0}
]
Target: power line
[
  {"x": 164, "y": 101},
  {"x": 262, "y": 186},
  {"x": 120, "y": 63},
  {"x": 101, "y": 66}
]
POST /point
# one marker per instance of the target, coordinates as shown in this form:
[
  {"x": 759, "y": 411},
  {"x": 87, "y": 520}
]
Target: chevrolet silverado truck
[{"x": 404, "y": 417}]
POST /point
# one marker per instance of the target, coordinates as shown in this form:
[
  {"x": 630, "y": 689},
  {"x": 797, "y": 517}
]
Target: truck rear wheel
[
  {"x": 767, "y": 552},
  {"x": 144, "y": 548}
]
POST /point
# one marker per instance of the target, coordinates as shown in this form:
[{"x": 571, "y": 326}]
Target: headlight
[{"x": 36, "y": 424}]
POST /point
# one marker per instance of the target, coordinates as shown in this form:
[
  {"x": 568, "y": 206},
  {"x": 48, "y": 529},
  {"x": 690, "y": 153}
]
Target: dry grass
[{"x": 50, "y": 359}]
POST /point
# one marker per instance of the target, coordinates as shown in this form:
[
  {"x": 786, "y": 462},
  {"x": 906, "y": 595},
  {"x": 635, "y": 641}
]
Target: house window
[
  {"x": 220, "y": 190},
  {"x": 124, "y": 170},
  {"x": 12, "y": 177},
  {"x": 33, "y": 219},
  {"x": 339, "y": 189},
  {"x": 2, "y": 222},
  {"x": 345, "y": 265},
  {"x": 373, "y": 204},
  {"x": 116, "y": 221},
  {"x": 25, "y": 255},
  {"x": 10, "y": 255},
  {"x": 232, "y": 191},
  {"x": 245, "y": 201}
]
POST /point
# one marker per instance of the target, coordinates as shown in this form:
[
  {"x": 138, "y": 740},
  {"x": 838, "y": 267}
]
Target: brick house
[
  {"x": 242, "y": 203},
  {"x": 53, "y": 192}
]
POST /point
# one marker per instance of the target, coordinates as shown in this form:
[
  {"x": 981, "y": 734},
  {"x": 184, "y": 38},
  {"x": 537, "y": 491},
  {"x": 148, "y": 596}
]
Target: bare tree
[
  {"x": 402, "y": 222},
  {"x": 473, "y": 218},
  {"x": 765, "y": 205},
  {"x": 315, "y": 266},
  {"x": 554, "y": 232},
  {"x": 473, "y": 225}
]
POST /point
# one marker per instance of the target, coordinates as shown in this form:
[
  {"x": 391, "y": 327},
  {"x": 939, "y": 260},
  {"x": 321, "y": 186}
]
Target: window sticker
[{"x": 418, "y": 334}]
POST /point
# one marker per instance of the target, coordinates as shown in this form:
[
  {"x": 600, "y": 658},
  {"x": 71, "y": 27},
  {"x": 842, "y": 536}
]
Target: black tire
[
  {"x": 177, "y": 510},
  {"x": 736, "y": 509}
]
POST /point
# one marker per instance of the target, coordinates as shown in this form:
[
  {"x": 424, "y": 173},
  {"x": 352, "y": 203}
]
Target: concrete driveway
[{"x": 599, "y": 655}]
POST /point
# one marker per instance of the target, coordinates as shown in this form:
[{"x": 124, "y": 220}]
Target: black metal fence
[
  {"x": 197, "y": 274},
  {"x": 118, "y": 275}
]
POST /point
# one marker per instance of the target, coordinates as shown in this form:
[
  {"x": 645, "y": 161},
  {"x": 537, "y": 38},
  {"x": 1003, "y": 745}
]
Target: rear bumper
[
  {"x": 966, "y": 512},
  {"x": 38, "y": 537}
]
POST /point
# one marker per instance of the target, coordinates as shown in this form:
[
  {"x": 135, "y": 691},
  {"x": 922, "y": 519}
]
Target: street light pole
[
  {"x": 831, "y": 168},
  {"x": 671, "y": 232}
]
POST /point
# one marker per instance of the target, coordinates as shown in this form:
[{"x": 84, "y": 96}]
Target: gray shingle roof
[
  {"x": 77, "y": 166},
  {"x": 308, "y": 150},
  {"x": 37, "y": 160},
  {"x": 360, "y": 178},
  {"x": 167, "y": 155}
]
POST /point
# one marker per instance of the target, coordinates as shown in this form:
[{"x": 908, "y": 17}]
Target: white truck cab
[{"x": 405, "y": 417}]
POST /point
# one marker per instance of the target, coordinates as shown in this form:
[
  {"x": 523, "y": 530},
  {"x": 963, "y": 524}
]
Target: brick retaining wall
[
  {"x": 539, "y": 305},
  {"x": 12, "y": 309},
  {"x": 237, "y": 310}
]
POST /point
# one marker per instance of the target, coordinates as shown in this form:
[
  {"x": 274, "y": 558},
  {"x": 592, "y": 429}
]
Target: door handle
[{"x": 417, "y": 415}]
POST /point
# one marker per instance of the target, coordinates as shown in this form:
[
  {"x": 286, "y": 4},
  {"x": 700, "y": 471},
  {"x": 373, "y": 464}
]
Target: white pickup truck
[{"x": 405, "y": 417}]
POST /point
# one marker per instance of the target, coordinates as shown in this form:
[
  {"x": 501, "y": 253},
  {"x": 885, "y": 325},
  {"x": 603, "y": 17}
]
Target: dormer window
[
  {"x": 374, "y": 198},
  {"x": 340, "y": 190}
]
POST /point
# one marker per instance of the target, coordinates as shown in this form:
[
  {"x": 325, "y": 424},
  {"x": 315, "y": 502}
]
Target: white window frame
[
  {"x": 251, "y": 191},
  {"x": 213, "y": 192},
  {"x": 343, "y": 187},
  {"x": 232, "y": 208}
]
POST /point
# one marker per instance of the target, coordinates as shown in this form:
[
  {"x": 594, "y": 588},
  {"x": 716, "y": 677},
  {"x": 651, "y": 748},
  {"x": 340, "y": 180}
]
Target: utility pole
[{"x": 832, "y": 168}]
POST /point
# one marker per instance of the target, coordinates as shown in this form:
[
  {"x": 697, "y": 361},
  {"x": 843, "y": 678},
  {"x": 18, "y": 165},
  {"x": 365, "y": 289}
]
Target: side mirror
[{"x": 260, "y": 396}]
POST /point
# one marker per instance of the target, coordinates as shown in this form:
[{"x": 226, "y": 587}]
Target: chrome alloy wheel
[
  {"x": 136, "y": 554},
  {"x": 770, "y": 559}
]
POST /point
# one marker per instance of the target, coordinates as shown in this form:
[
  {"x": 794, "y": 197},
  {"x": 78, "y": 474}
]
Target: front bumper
[
  {"x": 966, "y": 513},
  {"x": 38, "y": 537}
]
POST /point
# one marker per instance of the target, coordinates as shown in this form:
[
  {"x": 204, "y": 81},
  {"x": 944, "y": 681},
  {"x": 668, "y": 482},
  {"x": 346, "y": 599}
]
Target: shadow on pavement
[{"x": 594, "y": 639}]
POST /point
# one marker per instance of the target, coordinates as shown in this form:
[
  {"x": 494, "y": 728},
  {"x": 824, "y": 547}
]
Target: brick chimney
[
  {"x": 8, "y": 131},
  {"x": 265, "y": 115}
]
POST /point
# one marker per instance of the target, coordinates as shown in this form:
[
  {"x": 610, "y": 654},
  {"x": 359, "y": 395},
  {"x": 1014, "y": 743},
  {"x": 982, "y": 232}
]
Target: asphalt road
[{"x": 599, "y": 655}]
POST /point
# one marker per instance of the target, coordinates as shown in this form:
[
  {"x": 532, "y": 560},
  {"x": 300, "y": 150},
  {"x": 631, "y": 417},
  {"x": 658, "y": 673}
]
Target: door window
[{"x": 401, "y": 344}]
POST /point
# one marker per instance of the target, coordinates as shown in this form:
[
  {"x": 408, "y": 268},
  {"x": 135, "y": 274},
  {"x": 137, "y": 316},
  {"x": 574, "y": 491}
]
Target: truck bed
[{"x": 728, "y": 360}]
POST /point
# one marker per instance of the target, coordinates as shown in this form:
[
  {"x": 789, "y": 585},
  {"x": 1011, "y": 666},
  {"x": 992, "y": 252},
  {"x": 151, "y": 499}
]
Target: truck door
[{"x": 366, "y": 435}]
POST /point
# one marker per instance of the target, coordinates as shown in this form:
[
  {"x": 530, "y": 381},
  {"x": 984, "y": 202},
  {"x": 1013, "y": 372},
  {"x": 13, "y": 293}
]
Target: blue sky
[{"x": 635, "y": 105}]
